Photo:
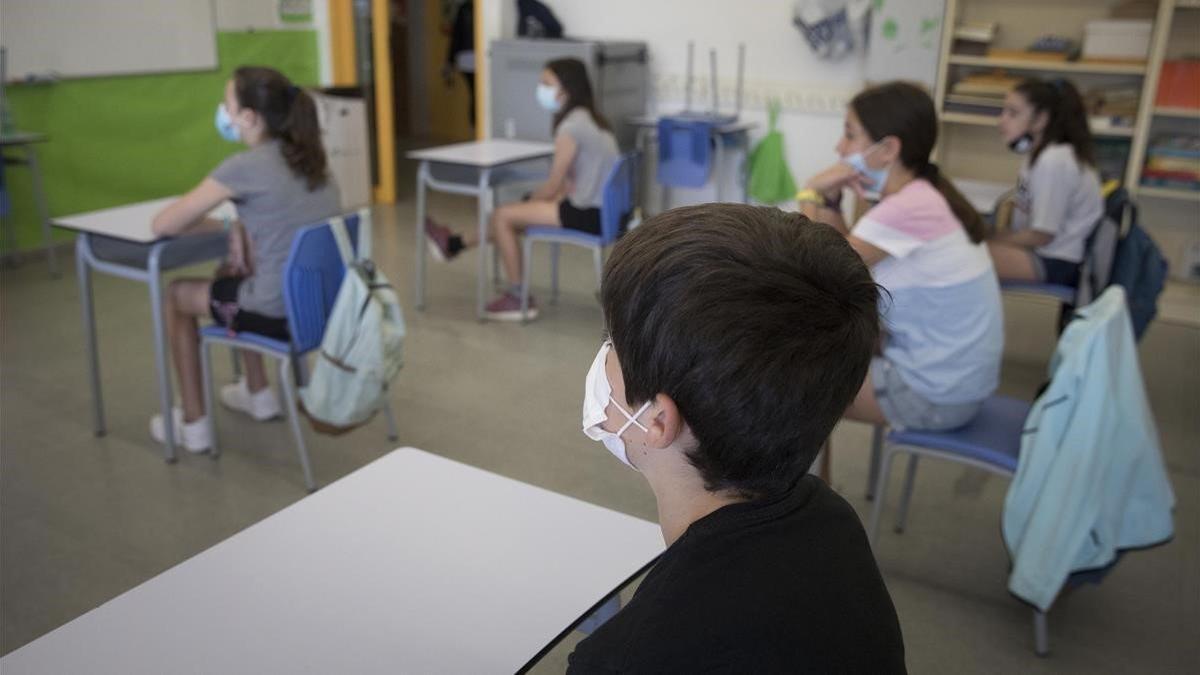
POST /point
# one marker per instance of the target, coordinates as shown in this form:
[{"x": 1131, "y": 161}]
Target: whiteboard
[
  {"x": 81, "y": 38},
  {"x": 905, "y": 41}
]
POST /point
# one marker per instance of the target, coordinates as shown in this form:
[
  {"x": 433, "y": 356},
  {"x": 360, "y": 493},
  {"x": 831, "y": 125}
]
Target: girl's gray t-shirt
[
  {"x": 272, "y": 203},
  {"x": 597, "y": 153}
]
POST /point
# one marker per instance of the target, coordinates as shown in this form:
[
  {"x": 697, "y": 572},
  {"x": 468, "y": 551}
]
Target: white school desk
[
  {"x": 412, "y": 564},
  {"x": 118, "y": 241},
  {"x": 472, "y": 168},
  {"x": 24, "y": 141},
  {"x": 737, "y": 131}
]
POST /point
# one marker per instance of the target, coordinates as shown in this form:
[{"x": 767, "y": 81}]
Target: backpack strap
[{"x": 338, "y": 225}]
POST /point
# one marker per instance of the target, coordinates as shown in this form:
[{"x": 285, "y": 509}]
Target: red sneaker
[
  {"x": 508, "y": 308},
  {"x": 437, "y": 238}
]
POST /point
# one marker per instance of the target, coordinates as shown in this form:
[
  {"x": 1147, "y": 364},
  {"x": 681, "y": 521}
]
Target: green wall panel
[{"x": 116, "y": 140}]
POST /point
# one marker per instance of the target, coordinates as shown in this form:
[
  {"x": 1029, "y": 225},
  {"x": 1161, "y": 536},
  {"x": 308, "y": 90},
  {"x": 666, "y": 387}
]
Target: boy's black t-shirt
[{"x": 783, "y": 585}]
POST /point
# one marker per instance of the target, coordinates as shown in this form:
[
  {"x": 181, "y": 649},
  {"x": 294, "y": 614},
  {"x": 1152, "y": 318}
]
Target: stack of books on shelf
[
  {"x": 980, "y": 93},
  {"x": 1173, "y": 161},
  {"x": 974, "y": 39}
]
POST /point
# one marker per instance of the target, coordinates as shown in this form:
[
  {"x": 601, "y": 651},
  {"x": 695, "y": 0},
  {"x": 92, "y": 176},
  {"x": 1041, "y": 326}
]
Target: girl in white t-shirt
[
  {"x": 1058, "y": 200},
  {"x": 940, "y": 357}
]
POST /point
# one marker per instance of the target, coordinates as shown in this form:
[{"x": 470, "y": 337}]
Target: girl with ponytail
[
  {"x": 279, "y": 184},
  {"x": 1058, "y": 200},
  {"x": 941, "y": 355}
]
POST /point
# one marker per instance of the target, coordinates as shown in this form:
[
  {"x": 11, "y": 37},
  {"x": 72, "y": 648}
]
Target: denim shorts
[{"x": 905, "y": 409}]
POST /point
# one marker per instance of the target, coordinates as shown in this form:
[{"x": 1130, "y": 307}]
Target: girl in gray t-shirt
[
  {"x": 585, "y": 152},
  {"x": 1058, "y": 200},
  {"x": 279, "y": 184}
]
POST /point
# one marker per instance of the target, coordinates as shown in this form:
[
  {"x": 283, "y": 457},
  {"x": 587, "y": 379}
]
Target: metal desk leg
[
  {"x": 39, "y": 199},
  {"x": 718, "y": 170},
  {"x": 743, "y": 174},
  {"x": 422, "y": 174},
  {"x": 83, "y": 273},
  {"x": 485, "y": 192},
  {"x": 161, "y": 363}
]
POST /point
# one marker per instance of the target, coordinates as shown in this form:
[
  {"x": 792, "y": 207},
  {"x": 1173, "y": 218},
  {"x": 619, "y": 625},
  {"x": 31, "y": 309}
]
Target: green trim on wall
[{"x": 117, "y": 140}]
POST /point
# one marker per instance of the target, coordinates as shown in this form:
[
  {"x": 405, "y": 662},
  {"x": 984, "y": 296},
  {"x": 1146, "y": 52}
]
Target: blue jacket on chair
[{"x": 1090, "y": 479}]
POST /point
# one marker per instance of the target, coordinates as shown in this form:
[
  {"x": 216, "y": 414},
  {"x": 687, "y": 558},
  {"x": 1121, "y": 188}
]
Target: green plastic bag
[{"x": 771, "y": 181}]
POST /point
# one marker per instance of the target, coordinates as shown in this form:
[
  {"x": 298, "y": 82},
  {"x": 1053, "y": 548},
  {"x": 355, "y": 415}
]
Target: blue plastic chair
[
  {"x": 311, "y": 279},
  {"x": 685, "y": 152},
  {"x": 616, "y": 206},
  {"x": 991, "y": 442},
  {"x": 1063, "y": 294}
]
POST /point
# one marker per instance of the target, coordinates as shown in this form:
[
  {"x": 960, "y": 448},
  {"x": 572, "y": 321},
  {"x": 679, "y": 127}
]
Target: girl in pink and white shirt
[{"x": 941, "y": 354}]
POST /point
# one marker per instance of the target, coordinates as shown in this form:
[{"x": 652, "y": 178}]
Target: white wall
[
  {"x": 778, "y": 62},
  {"x": 240, "y": 15}
]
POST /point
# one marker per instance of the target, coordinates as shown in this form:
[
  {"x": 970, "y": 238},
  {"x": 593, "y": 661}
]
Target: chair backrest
[
  {"x": 311, "y": 280},
  {"x": 617, "y": 200},
  {"x": 685, "y": 153}
]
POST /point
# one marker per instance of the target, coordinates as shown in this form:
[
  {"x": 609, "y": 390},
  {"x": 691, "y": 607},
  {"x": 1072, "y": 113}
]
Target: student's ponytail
[
  {"x": 1067, "y": 119},
  {"x": 907, "y": 112},
  {"x": 963, "y": 210},
  {"x": 301, "y": 137},
  {"x": 289, "y": 115}
]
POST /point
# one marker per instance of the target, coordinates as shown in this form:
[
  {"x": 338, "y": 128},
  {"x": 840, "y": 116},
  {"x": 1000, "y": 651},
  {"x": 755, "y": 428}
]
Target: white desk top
[
  {"x": 731, "y": 128},
  {"x": 130, "y": 222},
  {"x": 412, "y": 564},
  {"x": 485, "y": 154}
]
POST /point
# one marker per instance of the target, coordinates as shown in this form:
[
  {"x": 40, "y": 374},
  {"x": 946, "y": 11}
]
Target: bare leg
[
  {"x": 507, "y": 223},
  {"x": 187, "y": 299},
  {"x": 256, "y": 372},
  {"x": 1012, "y": 263}
]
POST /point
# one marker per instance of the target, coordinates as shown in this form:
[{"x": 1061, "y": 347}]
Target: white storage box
[
  {"x": 343, "y": 120},
  {"x": 1124, "y": 39}
]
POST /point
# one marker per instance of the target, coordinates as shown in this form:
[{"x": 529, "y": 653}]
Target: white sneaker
[
  {"x": 261, "y": 405},
  {"x": 193, "y": 436}
]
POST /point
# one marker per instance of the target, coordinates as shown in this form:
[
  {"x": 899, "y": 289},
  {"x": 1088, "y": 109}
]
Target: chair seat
[
  {"x": 1064, "y": 294},
  {"x": 562, "y": 235},
  {"x": 993, "y": 436},
  {"x": 223, "y": 334}
]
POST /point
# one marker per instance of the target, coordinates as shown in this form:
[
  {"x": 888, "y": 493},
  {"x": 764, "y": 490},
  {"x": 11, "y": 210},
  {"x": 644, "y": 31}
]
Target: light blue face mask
[
  {"x": 225, "y": 126},
  {"x": 876, "y": 178},
  {"x": 547, "y": 97}
]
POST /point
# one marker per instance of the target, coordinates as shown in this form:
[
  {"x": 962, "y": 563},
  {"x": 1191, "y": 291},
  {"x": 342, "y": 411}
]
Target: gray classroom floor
[{"x": 84, "y": 519}]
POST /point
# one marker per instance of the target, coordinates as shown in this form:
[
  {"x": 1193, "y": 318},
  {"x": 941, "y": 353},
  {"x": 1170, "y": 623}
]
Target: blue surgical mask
[
  {"x": 547, "y": 97},
  {"x": 1021, "y": 144},
  {"x": 876, "y": 178},
  {"x": 225, "y": 126}
]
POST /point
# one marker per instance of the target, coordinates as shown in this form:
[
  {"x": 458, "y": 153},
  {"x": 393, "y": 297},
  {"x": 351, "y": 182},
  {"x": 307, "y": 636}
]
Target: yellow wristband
[{"x": 810, "y": 195}]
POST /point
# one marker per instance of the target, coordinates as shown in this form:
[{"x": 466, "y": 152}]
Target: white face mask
[
  {"x": 597, "y": 394},
  {"x": 547, "y": 97}
]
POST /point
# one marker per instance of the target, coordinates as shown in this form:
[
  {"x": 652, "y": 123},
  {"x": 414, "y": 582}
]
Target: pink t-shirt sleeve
[
  {"x": 905, "y": 221},
  {"x": 891, "y": 240}
]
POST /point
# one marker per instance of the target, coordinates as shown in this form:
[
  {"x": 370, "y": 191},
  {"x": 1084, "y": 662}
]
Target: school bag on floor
[{"x": 361, "y": 351}]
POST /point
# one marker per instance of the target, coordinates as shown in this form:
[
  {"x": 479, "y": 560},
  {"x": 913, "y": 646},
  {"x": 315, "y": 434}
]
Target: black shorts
[
  {"x": 223, "y": 305},
  {"x": 580, "y": 220},
  {"x": 1056, "y": 271}
]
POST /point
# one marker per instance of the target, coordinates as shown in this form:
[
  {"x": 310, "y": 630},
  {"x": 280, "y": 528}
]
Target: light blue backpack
[{"x": 362, "y": 348}]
